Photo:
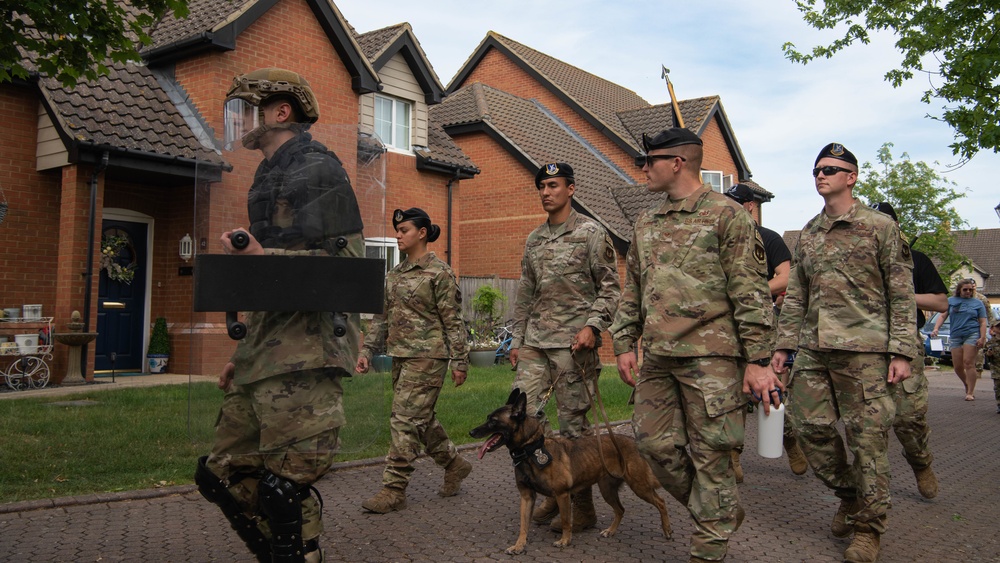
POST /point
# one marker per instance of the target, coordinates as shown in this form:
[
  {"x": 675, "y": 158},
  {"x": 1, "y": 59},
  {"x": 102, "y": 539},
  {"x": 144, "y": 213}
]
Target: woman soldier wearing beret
[{"x": 423, "y": 330}]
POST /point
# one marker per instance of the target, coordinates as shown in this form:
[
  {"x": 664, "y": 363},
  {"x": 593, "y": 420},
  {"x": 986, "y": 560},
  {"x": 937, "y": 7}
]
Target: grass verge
[{"x": 139, "y": 438}]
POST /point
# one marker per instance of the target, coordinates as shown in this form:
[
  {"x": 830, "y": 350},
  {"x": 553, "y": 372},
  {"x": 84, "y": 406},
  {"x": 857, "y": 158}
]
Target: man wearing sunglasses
[
  {"x": 694, "y": 292},
  {"x": 850, "y": 313}
]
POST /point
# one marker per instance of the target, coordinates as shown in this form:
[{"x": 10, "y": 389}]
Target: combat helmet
[{"x": 243, "y": 116}]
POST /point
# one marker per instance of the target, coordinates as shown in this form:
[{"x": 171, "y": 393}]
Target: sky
[{"x": 782, "y": 113}]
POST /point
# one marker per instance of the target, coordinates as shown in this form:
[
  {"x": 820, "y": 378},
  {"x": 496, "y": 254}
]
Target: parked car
[{"x": 943, "y": 334}]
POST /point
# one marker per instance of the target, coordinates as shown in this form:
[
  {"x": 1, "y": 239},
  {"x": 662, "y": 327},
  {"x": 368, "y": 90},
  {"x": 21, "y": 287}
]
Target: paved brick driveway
[{"x": 787, "y": 516}]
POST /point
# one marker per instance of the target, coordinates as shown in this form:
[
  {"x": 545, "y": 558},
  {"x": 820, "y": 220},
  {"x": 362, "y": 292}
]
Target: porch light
[{"x": 186, "y": 248}]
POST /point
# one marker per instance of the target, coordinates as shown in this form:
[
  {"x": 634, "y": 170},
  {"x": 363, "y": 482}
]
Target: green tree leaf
[{"x": 957, "y": 39}]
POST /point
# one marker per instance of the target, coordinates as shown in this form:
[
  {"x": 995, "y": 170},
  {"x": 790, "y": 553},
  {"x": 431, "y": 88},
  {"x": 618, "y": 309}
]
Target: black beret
[
  {"x": 414, "y": 214},
  {"x": 740, "y": 193},
  {"x": 838, "y": 151},
  {"x": 885, "y": 207},
  {"x": 673, "y": 137},
  {"x": 554, "y": 170}
]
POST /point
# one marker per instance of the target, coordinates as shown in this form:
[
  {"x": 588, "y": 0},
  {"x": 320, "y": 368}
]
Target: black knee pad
[
  {"x": 281, "y": 502},
  {"x": 216, "y": 492}
]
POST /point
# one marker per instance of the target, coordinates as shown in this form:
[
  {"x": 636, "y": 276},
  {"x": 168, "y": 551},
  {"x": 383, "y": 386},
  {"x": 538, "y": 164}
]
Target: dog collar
[{"x": 533, "y": 451}]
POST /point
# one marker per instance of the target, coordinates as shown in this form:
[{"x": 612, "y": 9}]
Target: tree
[
  {"x": 961, "y": 35},
  {"x": 922, "y": 200},
  {"x": 72, "y": 40}
]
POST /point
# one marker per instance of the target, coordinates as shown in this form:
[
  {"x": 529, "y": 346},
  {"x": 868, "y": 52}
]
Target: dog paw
[
  {"x": 560, "y": 543},
  {"x": 515, "y": 550},
  {"x": 607, "y": 533}
]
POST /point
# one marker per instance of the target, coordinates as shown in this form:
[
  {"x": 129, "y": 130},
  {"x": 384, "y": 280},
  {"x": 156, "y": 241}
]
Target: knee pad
[
  {"x": 281, "y": 502},
  {"x": 216, "y": 492}
]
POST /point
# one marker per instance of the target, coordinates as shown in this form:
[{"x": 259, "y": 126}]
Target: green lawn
[{"x": 125, "y": 439}]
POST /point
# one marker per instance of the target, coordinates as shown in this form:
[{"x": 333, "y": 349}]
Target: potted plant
[
  {"x": 485, "y": 304},
  {"x": 158, "y": 352}
]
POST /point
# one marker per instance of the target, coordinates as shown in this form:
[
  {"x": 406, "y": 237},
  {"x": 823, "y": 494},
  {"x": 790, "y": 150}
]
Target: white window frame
[
  {"x": 725, "y": 181},
  {"x": 388, "y": 250},
  {"x": 400, "y": 129}
]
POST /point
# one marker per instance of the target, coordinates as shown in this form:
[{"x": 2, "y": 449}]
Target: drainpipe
[
  {"x": 450, "y": 205},
  {"x": 89, "y": 275}
]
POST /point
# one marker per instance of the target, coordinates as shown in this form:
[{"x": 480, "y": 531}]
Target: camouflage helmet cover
[{"x": 258, "y": 86}]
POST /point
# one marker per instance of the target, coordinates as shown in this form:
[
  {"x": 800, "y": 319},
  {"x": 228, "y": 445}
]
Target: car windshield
[{"x": 929, "y": 327}]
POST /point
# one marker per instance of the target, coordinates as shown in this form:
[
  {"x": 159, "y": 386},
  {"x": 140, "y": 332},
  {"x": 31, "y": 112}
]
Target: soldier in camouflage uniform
[
  {"x": 278, "y": 426},
  {"x": 992, "y": 352},
  {"x": 850, "y": 313},
  {"x": 565, "y": 299},
  {"x": 912, "y": 395},
  {"x": 990, "y": 319},
  {"x": 423, "y": 331},
  {"x": 695, "y": 293}
]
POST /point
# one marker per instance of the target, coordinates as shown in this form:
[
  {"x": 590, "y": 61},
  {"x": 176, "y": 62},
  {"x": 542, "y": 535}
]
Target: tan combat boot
[
  {"x": 796, "y": 458},
  {"x": 927, "y": 482},
  {"x": 584, "y": 515},
  {"x": 839, "y": 527},
  {"x": 737, "y": 466},
  {"x": 546, "y": 511},
  {"x": 456, "y": 471},
  {"x": 385, "y": 501},
  {"x": 864, "y": 547}
]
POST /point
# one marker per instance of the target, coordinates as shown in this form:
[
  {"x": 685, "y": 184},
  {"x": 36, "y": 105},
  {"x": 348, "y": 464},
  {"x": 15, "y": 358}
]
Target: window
[
  {"x": 384, "y": 248},
  {"x": 392, "y": 122},
  {"x": 720, "y": 182}
]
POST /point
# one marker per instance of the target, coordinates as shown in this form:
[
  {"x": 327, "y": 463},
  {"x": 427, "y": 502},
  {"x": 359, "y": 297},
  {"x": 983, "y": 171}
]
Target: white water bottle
[{"x": 770, "y": 431}]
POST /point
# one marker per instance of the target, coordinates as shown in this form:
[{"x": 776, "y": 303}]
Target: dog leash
[{"x": 607, "y": 422}]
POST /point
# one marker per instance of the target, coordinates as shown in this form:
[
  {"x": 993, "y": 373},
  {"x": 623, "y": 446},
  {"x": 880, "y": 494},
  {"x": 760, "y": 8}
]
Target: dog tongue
[{"x": 487, "y": 445}]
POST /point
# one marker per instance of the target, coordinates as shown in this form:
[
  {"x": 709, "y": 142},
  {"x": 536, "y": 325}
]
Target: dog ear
[
  {"x": 513, "y": 396},
  {"x": 520, "y": 405}
]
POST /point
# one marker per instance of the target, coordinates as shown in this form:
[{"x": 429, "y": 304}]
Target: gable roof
[
  {"x": 215, "y": 25},
  {"x": 697, "y": 113},
  {"x": 597, "y": 100},
  {"x": 981, "y": 247},
  {"x": 381, "y": 45},
  {"x": 534, "y": 135},
  {"x": 128, "y": 112},
  {"x": 634, "y": 199}
]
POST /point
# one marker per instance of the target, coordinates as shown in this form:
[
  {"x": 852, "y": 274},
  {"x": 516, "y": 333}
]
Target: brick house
[
  {"x": 157, "y": 127},
  {"x": 512, "y": 109}
]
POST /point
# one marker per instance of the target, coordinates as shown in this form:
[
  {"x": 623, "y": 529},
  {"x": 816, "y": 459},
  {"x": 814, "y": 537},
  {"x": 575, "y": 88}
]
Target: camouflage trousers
[
  {"x": 848, "y": 386},
  {"x": 910, "y": 423},
  {"x": 287, "y": 425},
  {"x": 539, "y": 368},
  {"x": 413, "y": 426},
  {"x": 688, "y": 417}
]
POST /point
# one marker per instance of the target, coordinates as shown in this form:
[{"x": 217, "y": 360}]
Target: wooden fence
[{"x": 506, "y": 286}]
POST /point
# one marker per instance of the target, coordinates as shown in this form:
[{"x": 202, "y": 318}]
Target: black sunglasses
[
  {"x": 649, "y": 159},
  {"x": 829, "y": 170}
]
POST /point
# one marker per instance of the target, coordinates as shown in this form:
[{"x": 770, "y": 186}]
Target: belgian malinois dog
[{"x": 557, "y": 467}]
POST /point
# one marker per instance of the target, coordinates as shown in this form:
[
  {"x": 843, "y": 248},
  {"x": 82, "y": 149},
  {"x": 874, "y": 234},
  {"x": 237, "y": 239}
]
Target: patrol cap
[
  {"x": 886, "y": 207},
  {"x": 554, "y": 170},
  {"x": 740, "y": 193},
  {"x": 415, "y": 214},
  {"x": 838, "y": 151},
  {"x": 673, "y": 137}
]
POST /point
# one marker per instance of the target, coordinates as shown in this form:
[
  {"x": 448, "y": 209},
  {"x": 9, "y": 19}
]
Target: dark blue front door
[{"x": 121, "y": 303}]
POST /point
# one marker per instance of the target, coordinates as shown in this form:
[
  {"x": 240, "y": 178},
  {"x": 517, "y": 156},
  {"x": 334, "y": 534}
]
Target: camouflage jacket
[
  {"x": 694, "y": 284},
  {"x": 569, "y": 280},
  {"x": 990, "y": 317},
  {"x": 851, "y": 287},
  {"x": 309, "y": 203},
  {"x": 423, "y": 314}
]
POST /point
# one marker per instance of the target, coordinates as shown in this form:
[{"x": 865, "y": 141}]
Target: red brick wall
[{"x": 498, "y": 71}]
